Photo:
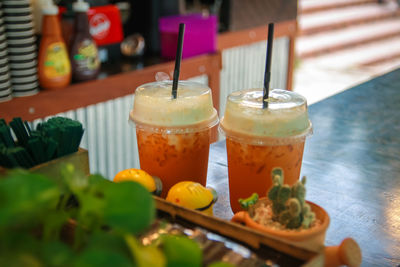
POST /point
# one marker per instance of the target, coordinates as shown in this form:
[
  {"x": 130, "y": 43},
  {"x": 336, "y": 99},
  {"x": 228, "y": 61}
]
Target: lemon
[{"x": 137, "y": 175}]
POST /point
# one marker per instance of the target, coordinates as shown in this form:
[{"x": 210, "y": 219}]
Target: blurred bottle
[
  {"x": 67, "y": 22},
  {"x": 83, "y": 50},
  {"x": 54, "y": 65}
]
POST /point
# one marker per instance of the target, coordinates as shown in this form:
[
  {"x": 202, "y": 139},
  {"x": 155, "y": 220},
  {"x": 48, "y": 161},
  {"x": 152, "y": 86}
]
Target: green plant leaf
[
  {"x": 54, "y": 221},
  {"x": 109, "y": 240},
  {"x": 181, "y": 251},
  {"x": 89, "y": 195},
  {"x": 101, "y": 258},
  {"x": 145, "y": 255},
  {"x": 19, "y": 248},
  {"x": 32, "y": 214},
  {"x": 14, "y": 242},
  {"x": 56, "y": 254},
  {"x": 26, "y": 198},
  {"x": 25, "y": 259},
  {"x": 221, "y": 264},
  {"x": 128, "y": 207}
]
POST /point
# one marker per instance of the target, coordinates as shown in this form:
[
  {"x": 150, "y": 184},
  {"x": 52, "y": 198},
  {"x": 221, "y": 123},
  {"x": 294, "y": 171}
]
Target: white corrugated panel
[
  {"x": 243, "y": 68},
  {"x": 81, "y": 116}
]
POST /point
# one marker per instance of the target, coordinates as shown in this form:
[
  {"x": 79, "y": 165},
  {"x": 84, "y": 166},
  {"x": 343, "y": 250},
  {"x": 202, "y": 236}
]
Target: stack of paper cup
[
  {"x": 5, "y": 83},
  {"x": 21, "y": 43}
]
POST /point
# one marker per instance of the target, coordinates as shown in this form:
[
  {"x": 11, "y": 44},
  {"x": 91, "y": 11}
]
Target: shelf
[
  {"x": 134, "y": 73},
  {"x": 75, "y": 96}
]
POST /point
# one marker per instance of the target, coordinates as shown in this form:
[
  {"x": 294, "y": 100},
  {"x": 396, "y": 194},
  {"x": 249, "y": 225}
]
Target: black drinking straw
[
  {"x": 267, "y": 74},
  {"x": 178, "y": 59}
]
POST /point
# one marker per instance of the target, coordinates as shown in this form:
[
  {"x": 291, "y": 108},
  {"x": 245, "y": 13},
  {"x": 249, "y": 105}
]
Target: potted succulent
[{"x": 285, "y": 214}]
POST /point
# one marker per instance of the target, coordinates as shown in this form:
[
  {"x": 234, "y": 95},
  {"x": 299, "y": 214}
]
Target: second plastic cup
[
  {"x": 258, "y": 140},
  {"x": 173, "y": 135}
]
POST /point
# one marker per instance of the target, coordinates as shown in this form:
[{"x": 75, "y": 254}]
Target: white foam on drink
[
  {"x": 286, "y": 115},
  {"x": 154, "y": 105}
]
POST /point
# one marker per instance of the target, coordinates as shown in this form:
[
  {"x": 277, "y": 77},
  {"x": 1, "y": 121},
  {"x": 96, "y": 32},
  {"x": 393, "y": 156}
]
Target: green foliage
[
  {"x": 34, "y": 211},
  {"x": 145, "y": 256},
  {"x": 55, "y": 253},
  {"x": 181, "y": 251},
  {"x": 221, "y": 264},
  {"x": 25, "y": 198},
  {"x": 125, "y": 217},
  {"x": 101, "y": 258},
  {"x": 288, "y": 203}
]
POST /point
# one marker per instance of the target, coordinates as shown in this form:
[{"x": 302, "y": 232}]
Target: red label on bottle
[{"x": 99, "y": 26}]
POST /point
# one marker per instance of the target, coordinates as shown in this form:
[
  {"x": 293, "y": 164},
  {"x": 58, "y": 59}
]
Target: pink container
[{"x": 200, "y": 35}]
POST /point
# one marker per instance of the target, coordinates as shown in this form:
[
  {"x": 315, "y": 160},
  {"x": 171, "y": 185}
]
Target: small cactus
[{"x": 288, "y": 203}]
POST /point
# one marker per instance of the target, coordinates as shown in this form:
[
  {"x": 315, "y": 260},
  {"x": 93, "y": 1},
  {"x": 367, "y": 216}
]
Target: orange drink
[
  {"x": 258, "y": 140},
  {"x": 173, "y": 135},
  {"x": 257, "y": 162},
  {"x": 175, "y": 157}
]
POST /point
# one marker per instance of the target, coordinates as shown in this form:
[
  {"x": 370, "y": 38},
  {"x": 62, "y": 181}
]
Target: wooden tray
[{"x": 267, "y": 247}]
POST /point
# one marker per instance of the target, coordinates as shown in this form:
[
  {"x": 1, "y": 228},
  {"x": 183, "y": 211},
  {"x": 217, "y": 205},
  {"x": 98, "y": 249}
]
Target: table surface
[{"x": 352, "y": 164}]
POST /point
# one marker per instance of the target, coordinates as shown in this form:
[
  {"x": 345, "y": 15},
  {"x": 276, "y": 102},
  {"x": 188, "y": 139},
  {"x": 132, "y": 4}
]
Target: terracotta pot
[
  {"x": 347, "y": 253},
  {"x": 312, "y": 238}
]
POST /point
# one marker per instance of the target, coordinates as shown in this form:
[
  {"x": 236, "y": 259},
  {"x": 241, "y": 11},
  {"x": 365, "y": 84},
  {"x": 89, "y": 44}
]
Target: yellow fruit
[
  {"x": 193, "y": 195},
  {"x": 136, "y": 175}
]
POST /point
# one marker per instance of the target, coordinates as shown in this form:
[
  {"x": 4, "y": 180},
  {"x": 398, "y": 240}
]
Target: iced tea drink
[
  {"x": 258, "y": 140},
  {"x": 173, "y": 135}
]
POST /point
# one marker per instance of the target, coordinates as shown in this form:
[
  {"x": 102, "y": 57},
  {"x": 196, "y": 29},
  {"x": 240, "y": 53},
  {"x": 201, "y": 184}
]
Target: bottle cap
[
  {"x": 49, "y": 8},
  {"x": 80, "y": 6}
]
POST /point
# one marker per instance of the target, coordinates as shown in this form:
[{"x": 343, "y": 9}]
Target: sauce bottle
[
  {"x": 54, "y": 65},
  {"x": 67, "y": 23},
  {"x": 83, "y": 50}
]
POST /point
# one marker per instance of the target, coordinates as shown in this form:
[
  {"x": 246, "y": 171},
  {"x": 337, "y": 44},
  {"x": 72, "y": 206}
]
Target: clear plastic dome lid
[
  {"x": 154, "y": 106},
  {"x": 286, "y": 115}
]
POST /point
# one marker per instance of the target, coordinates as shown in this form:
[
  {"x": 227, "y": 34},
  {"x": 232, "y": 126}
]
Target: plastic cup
[
  {"x": 173, "y": 135},
  {"x": 258, "y": 140}
]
